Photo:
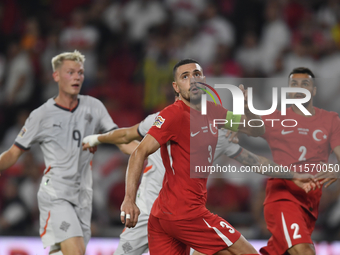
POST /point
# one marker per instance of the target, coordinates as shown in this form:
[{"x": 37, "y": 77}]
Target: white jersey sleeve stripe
[
  {"x": 285, "y": 230},
  {"x": 223, "y": 237},
  {"x": 168, "y": 146}
]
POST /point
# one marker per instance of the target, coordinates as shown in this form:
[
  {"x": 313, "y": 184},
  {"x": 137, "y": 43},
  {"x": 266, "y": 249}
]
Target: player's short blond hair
[{"x": 74, "y": 56}]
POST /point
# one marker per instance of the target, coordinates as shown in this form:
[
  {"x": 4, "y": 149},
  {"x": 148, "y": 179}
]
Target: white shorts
[
  {"x": 134, "y": 241},
  {"x": 61, "y": 220}
]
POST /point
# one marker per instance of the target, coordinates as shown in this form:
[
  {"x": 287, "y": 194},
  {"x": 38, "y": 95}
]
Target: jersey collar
[{"x": 68, "y": 109}]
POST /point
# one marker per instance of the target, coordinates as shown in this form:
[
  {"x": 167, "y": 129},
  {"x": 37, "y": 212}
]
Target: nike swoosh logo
[
  {"x": 286, "y": 132},
  {"x": 194, "y": 134}
]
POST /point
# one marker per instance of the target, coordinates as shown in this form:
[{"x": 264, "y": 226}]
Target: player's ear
[
  {"x": 175, "y": 86},
  {"x": 314, "y": 91},
  {"x": 55, "y": 76}
]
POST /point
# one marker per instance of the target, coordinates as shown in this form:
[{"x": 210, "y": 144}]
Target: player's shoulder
[
  {"x": 150, "y": 117},
  {"x": 89, "y": 100},
  {"x": 42, "y": 110},
  {"x": 325, "y": 113},
  {"x": 177, "y": 108}
]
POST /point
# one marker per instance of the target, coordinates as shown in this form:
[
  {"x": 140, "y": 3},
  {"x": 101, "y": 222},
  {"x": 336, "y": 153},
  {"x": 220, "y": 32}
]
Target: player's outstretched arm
[
  {"x": 128, "y": 208},
  {"x": 128, "y": 148},
  {"x": 252, "y": 131},
  {"x": 9, "y": 157},
  {"x": 262, "y": 165},
  {"x": 117, "y": 136},
  {"x": 333, "y": 174}
]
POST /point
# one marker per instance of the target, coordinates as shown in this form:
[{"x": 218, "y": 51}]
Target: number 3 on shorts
[{"x": 225, "y": 225}]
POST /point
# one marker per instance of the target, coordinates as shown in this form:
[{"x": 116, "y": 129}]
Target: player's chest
[
  {"x": 309, "y": 134},
  {"x": 202, "y": 133}
]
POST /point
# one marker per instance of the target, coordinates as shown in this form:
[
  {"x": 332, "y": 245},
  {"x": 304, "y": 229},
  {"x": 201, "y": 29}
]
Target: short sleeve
[
  {"x": 146, "y": 124},
  {"x": 224, "y": 146},
  {"x": 335, "y": 133},
  {"x": 106, "y": 123},
  {"x": 29, "y": 132},
  {"x": 166, "y": 125}
]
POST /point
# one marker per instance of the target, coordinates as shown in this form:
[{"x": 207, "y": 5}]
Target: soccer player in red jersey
[
  {"x": 289, "y": 212},
  {"x": 179, "y": 218}
]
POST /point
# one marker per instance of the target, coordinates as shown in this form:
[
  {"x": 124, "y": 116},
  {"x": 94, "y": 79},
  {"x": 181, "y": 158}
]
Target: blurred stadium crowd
[{"x": 131, "y": 47}]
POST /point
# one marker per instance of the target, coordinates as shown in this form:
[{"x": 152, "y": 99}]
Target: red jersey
[
  {"x": 311, "y": 141},
  {"x": 185, "y": 136}
]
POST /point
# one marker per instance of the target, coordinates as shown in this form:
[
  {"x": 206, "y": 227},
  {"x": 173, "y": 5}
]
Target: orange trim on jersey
[
  {"x": 123, "y": 230},
  {"x": 43, "y": 233},
  {"x": 147, "y": 169},
  {"x": 48, "y": 169},
  {"x": 91, "y": 163},
  {"x": 67, "y": 107},
  {"x": 19, "y": 147}
]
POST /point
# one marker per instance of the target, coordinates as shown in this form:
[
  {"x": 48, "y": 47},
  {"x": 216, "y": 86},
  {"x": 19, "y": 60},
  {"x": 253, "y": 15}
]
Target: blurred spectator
[
  {"x": 113, "y": 16},
  {"x": 49, "y": 87},
  {"x": 29, "y": 187},
  {"x": 186, "y": 11},
  {"x": 275, "y": 36},
  {"x": 14, "y": 130},
  {"x": 328, "y": 70},
  {"x": 18, "y": 86},
  {"x": 224, "y": 65},
  {"x": 14, "y": 217},
  {"x": 328, "y": 13},
  {"x": 157, "y": 68},
  {"x": 205, "y": 41},
  {"x": 293, "y": 12},
  {"x": 301, "y": 56},
  {"x": 31, "y": 40},
  {"x": 248, "y": 55},
  {"x": 84, "y": 38},
  {"x": 141, "y": 15}
]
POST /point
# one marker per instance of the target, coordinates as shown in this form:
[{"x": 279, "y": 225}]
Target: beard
[{"x": 307, "y": 103}]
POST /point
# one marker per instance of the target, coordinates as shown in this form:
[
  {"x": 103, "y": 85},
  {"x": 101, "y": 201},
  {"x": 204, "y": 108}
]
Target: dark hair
[
  {"x": 183, "y": 62},
  {"x": 303, "y": 70}
]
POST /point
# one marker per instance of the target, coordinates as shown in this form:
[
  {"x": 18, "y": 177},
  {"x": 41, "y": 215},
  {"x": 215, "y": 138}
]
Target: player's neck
[
  {"x": 67, "y": 101},
  {"x": 309, "y": 108}
]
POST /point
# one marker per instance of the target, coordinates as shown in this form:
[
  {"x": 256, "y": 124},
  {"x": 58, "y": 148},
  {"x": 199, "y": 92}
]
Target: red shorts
[
  {"x": 289, "y": 223},
  {"x": 207, "y": 234}
]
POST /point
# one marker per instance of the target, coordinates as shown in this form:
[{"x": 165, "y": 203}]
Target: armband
[{"x": 233, "y": 121}]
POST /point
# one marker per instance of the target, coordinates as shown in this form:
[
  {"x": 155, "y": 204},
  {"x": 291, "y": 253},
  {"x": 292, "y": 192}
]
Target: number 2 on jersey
[
  {"x": 77, "y": 136},
  {"x": 303, "y": 151}
]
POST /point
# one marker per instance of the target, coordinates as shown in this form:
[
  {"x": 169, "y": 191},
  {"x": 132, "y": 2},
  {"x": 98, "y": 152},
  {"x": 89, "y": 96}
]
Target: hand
[
  {"x": 93, "y": 149},
  {"x": 232, "y": 136},
  {"x": 328, "y": 176},
  {"x": 129, "y": 213},
  {"x": 89, "y": 142},
  {"x": 305, "y": 182}
]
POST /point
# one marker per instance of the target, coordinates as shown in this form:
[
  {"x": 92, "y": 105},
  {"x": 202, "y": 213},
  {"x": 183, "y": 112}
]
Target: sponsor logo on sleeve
[
  {"x": 159, "y": 121},
  {"x": 22, "y": 132}
]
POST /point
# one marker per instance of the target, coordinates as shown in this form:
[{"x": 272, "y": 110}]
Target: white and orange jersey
[{"x": 59, "y": 132}]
